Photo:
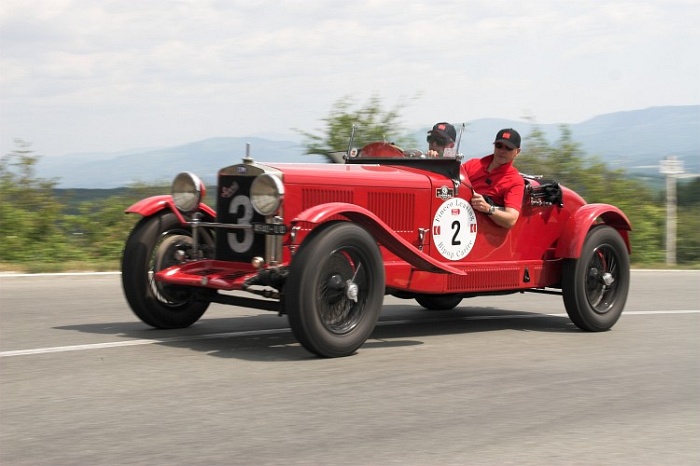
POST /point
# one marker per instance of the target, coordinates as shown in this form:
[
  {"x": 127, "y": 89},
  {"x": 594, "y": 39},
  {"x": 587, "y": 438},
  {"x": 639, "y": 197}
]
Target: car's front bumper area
[{"x": 209, "y": 273}]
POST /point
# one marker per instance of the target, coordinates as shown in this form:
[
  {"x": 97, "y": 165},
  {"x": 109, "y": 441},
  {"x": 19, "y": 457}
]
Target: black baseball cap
[
  {"x": 509, "y": 137},
  {"x": 443, "y": 131}
]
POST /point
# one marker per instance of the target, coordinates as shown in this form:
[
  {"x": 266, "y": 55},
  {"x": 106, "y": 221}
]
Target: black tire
[
  {"x": 595, "y": 285},
  {"x": 322, "y": 315},
  {"x": 439, "y": 302},
  {"x": 151, "y": 247}
]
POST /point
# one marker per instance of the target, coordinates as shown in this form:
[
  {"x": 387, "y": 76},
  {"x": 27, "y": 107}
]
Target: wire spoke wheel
[
  {"x": 335, "y": 289},
  {"x": 342, "y": 291},
  {"x": 595, "y": 285},
  {"x": 602, "y": 279}
]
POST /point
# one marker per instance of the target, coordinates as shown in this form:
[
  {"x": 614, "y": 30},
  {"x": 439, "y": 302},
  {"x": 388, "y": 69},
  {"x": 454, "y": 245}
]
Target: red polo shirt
[{"x": 504, "y": 185}]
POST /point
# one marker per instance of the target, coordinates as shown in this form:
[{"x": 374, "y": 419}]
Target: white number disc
[{"x": 454, "y": 229}]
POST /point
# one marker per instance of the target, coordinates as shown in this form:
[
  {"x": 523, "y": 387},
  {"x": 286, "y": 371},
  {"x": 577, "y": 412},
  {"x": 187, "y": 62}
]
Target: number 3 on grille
[{"x": 237, "y": 203}]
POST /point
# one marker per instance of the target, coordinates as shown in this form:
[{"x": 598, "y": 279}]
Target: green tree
[
  {"x": 372, "y": 122},
  {"x": 535, "y": 155},
  {"x": 688, "y": 227},
  {"x": 100, "y": 227},
  {"x": 688, "y": 235},
  {"x": 689, "y": 192},
  {"x": 562, "y": 161},
  {"x": 29, "y": 212}
]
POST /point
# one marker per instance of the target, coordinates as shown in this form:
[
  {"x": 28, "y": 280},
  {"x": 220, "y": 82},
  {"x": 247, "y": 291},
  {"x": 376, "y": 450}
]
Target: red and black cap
[
  {"x": 443, "y": 132},
  {"x": 509, "y": 137}
]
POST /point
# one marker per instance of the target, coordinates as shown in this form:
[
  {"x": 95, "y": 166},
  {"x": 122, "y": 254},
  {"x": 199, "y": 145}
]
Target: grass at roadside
[
  {"x": 663, "y": 266},
  {"x": 59, "y": 267}
]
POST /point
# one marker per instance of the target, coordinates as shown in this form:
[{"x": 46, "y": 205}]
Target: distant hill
[
  {"x": 635, "y": 140},
  {"x": 204, "y": 158}
]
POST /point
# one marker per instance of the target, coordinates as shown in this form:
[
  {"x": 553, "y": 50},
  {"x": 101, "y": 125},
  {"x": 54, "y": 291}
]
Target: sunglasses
[
  {"x": 500, "y": 145},
  {"x": 438, "y": 141}
]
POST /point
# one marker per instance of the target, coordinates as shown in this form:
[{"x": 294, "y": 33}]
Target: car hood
[{"x": 352, "y": 175}]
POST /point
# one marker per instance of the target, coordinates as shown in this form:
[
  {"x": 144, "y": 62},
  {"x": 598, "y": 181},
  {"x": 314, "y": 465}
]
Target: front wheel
[
  {"x": 154, "y": 244},
  {"x": 335, "y": 290},
  {"x": 595, "y": 285}
]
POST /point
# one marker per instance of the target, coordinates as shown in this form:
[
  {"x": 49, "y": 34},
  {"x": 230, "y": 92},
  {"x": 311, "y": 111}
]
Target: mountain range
[{"x": 634, "y": 140}]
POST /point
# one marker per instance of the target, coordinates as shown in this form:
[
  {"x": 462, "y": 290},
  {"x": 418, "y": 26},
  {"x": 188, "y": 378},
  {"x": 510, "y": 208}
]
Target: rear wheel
[
  {"x": 439, "y": 302},
  {"x": 335, "y": 290},
  {"x": 595, "y": 285},
  {"x": 154, "y": 244}
]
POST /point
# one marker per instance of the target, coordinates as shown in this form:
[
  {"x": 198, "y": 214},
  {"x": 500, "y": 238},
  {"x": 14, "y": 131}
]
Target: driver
[
  {"x": 497, "y": 186},
  {"x": 439, "y": 138}
]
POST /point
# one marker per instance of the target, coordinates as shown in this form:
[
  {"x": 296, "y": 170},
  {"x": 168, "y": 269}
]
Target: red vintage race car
[{"x": 323, "y": 244}]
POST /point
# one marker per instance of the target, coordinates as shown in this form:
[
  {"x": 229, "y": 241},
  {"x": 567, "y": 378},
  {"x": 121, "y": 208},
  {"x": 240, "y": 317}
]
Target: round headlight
[
  {"x": 266, "y": 194},
  {"x": 187, "y": 191}
]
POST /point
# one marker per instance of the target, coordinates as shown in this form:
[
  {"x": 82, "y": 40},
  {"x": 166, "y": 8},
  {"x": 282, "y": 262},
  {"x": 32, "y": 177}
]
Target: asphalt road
[{"x": 500, "y": 380}]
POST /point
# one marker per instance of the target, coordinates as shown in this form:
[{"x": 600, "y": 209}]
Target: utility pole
[{"x": 672, "y": 168}]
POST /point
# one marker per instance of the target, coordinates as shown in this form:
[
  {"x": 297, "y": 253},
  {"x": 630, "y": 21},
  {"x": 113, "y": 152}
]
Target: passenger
[
  {"x": 441, "y": 137},
  {"x": 497, "y": 185}
]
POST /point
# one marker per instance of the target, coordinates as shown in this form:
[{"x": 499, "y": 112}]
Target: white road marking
[
  {"x": 117, "y": 344},
  {"x": 210, "y": 336}
]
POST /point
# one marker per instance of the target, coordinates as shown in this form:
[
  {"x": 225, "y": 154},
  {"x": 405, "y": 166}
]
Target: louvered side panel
[
  {"x": 503, "y": 278},
  {"x": 396, "y": 209}
]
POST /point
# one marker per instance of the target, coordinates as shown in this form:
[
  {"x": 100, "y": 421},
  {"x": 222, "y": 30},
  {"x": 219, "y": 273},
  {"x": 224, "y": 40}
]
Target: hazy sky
[{"x": 97, "y": 75}]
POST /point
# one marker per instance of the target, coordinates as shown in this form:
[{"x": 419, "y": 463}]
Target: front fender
[
  {"x": 576, "y": 230},
  {"x": 152, "y": 205},
  {"x": 384, "y": 235}
]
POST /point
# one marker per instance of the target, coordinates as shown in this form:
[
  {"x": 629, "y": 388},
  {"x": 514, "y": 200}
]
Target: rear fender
[
  {"x": 576, "y": 230},
  {"x": 153, "y": 205},
  {"x": 384, "y": 235}
]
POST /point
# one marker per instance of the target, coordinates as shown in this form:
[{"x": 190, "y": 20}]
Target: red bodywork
[{"x": 422, "y": 225}]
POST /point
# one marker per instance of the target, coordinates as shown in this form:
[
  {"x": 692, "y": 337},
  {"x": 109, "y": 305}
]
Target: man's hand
[
  {"x": 479, "y": 203},
  {"x": 502, "y": 216}
]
